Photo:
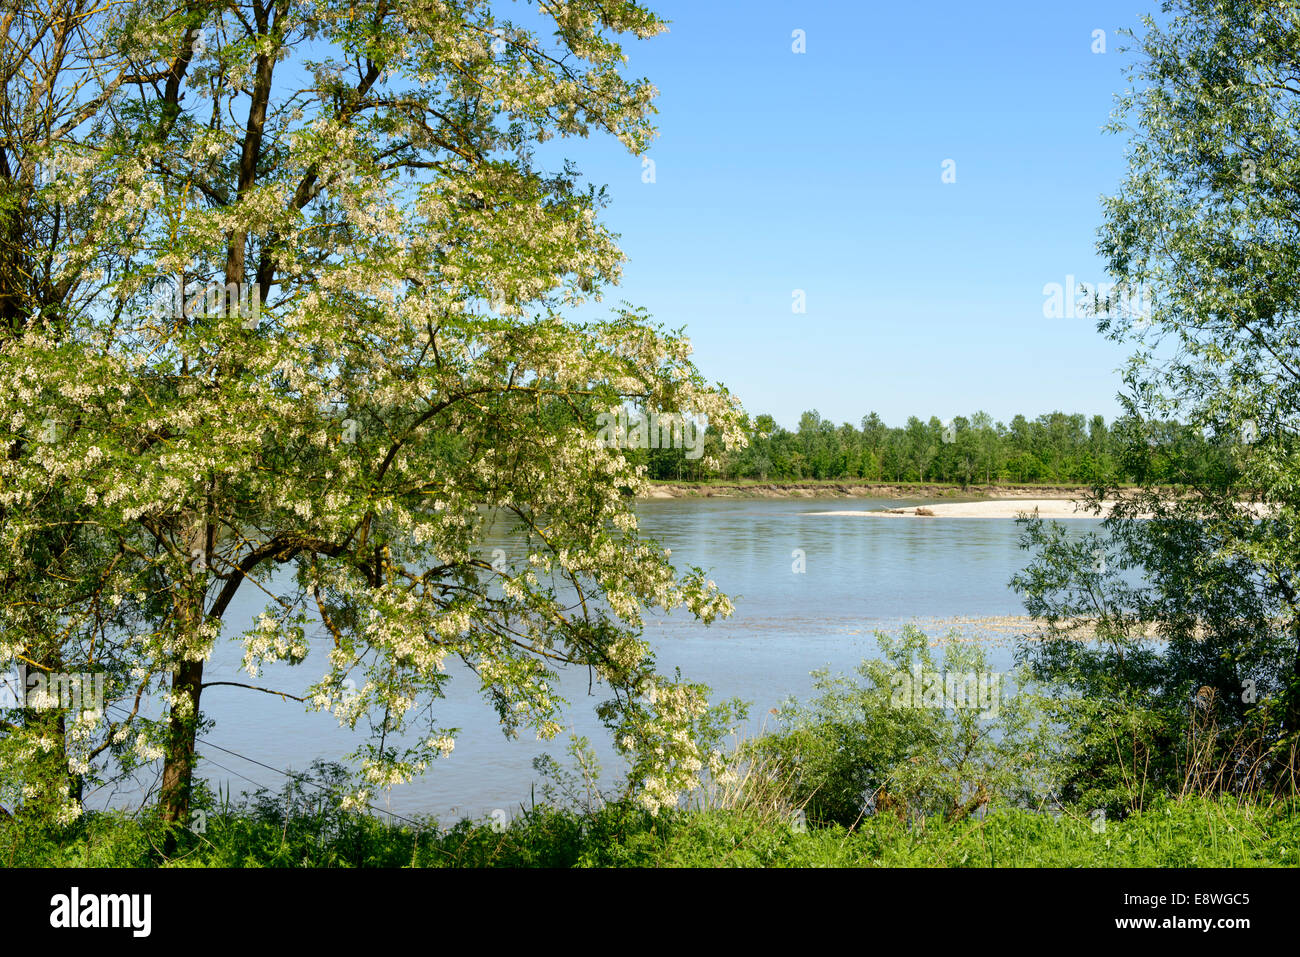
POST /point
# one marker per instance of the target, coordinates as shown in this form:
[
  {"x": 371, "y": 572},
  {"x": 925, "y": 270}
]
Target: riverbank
[
  {"x": 1052, "y": 508},
  {"x": 1047, "y": 508},
  {"x": 1188, "y": 832},
  {"x": 845, "y": 489},
  {"x": 1191, "y": 832}
]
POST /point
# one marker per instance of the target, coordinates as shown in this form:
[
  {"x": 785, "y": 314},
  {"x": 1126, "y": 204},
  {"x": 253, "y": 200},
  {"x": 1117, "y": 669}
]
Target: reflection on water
[{"x": 859, "y": 575}]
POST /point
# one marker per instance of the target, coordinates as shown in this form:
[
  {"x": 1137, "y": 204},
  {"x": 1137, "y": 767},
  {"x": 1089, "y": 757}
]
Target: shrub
[{"x": 878, "y": 745}]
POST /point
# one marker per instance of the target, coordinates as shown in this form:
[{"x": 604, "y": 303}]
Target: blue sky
[{"x": 822, "y": 171}]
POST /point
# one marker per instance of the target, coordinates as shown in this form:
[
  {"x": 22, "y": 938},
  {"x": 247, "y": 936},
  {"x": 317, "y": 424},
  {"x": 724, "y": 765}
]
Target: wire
[{"x": 299, "y": 778}]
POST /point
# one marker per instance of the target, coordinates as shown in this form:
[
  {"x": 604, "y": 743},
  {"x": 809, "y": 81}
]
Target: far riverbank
[{"x": 845, "y": 489}]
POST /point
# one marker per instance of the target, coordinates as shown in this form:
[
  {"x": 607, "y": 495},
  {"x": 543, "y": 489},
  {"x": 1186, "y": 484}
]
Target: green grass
[{"x": 1191, "y": 833}]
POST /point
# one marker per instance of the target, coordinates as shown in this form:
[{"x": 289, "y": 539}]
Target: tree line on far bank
[{"x": 1053, "y": 448}]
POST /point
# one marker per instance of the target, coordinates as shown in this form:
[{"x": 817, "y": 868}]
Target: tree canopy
[
  {"x": 284, "y": 290},
  {"x": 1205, "y": 220}
]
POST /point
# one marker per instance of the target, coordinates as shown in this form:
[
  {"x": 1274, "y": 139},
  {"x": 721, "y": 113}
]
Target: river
[{"x": 859, "y": 574}]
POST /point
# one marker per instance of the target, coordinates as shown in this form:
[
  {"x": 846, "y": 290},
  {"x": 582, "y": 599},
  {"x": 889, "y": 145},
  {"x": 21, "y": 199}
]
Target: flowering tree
[
  {"x": 326, "y": 334},
  {"x": 54, "y": 557}
]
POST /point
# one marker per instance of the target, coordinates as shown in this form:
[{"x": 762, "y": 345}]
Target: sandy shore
[
  {"x": 1000, "y": 508},
  {"x": 1048, "y": 508}
]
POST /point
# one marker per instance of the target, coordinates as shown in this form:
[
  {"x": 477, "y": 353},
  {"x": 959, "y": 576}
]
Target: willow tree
[
  {"x": 1205, "y": 223},
  {"x": 331, "y": 339}
]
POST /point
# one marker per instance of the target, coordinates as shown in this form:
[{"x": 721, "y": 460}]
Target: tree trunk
[
  {"x": 187, "y": 678},
  {"x": 178, "y": 763},
  {"x": 187, "y": 687},
  {"x": 1291, "y": 716}
]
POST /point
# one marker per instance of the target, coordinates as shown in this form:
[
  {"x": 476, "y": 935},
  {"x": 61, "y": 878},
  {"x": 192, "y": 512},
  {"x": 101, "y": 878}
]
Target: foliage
[
  {"x": 1192, "y": 584},
  {"x": 1205, "y": 219},
  {"x": 1163, "y": 662},
  {"x": 297, "y": 327},
  {"x": 1192, "y": 833},
  {"x": 882, "y": 745},
  {"x": 1052, "y": 448},
  {"x": 305, "y": 825}
]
